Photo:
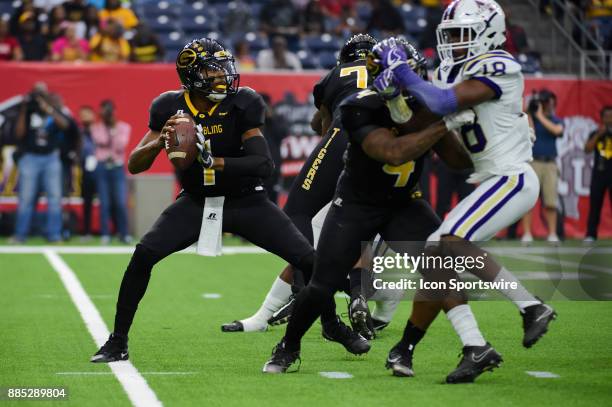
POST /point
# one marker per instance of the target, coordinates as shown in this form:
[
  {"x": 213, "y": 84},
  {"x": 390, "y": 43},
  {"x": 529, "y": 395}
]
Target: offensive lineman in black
[
  {"x": 315, "y": 185},
  {"x": 377, "y": 193},
  {"x": 232, "y": 164}
]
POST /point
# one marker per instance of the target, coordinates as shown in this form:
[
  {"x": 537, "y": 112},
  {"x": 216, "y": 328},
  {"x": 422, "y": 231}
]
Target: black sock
[
  {"x": 133, "y": 287},
  {"x": 308, "y": 307},
  {"x": 411, "y": 337},
  {"x": 355, "y": 281}
]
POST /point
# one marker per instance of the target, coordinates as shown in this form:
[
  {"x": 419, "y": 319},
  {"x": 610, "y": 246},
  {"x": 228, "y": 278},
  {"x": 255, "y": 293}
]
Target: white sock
[
  {"x": 385, "y": 309},
  {"x": 277, "y": 297},
  {"x": 519, "y": 296},
  {"x": 464, "y": 323}
]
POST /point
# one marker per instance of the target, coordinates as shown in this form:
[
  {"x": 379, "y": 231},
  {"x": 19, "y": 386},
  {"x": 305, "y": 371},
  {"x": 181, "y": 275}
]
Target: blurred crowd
[{"x": 264, "y": 34}]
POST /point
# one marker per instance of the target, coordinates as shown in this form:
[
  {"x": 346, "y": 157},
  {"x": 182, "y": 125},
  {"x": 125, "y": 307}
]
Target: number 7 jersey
[{"x": 498, "y": 141}]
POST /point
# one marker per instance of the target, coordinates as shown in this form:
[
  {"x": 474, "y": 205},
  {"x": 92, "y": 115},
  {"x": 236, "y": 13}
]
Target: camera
[{"x": 538, "y": 98}]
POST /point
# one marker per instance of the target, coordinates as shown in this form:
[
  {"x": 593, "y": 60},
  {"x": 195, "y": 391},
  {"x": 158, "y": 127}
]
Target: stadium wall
[{"x": 132, "y": 87}]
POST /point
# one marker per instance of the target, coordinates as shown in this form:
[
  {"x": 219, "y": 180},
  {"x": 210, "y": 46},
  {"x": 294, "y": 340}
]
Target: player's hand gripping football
[
  {"x": 205, "y": 158},
  {"x": 167, "y": 132},
  {"x": 457, "y": 120}
]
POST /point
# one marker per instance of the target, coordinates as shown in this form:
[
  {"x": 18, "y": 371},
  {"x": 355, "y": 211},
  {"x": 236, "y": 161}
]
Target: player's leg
[
  {"x": 312, "y": 189},
  {"x": 346, "y": 226},
  {"x": 177, "y": 227},
  {"x": 596, "y": 200},
  {"x": 495, "y": 204}
]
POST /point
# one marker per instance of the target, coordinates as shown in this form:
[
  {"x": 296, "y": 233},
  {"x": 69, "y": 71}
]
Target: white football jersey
[{"x": 498, "y": 141}]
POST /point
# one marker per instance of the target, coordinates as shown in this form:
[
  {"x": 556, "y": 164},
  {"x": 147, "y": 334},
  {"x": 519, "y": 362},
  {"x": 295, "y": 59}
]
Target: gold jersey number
[
  {"x": 209, "y": 173},
  {"x": 402, "y": 172},
  {"x": 362, "y": 75}
]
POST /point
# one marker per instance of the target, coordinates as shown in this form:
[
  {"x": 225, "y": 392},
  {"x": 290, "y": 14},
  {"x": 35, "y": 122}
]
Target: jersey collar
[{"x": 194, "y": 111}]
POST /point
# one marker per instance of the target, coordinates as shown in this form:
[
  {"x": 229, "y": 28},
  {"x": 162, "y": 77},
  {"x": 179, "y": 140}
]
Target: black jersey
[
  {"x": 222, "y": 127},
  {"x": 342, "y": 81},
  {"x": 364, "y": 178}
]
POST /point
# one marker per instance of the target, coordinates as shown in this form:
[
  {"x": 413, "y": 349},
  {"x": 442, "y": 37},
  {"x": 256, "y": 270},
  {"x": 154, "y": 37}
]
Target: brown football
[{"x": 181, "y": 148}]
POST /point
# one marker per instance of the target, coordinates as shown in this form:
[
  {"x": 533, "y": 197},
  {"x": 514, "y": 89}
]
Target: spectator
[
  {"x": 113, "y": 10},
  {"x": 75, "y": 10},
  {"x": 280, "y": 17},
  {"x": 109, "y": 45},
  {"x": 88, "y": 166},
  {"x": 244, "y": 61},
  {"x": 9, "y": 46},
  {"x": 27, "y": 6},
  {"x": 336, "y": 8},
  {"x": 385, "y": 19},
  {"x": 92, "y": 22},
  {"x": 57, "y": 23},
  {"x": 548, "y": 128},
  {"x": 278, "y": 57},
  {"x": 145, "y": 45},
  {"x": 69, "y": 47},
  {"x": 38, "y": 129},
  {"x": 600, "y": 142},
  {"x": 31, "y": 41},
  {"x": 275, "y": 130},
  {"x": 313, "y": 18},
  {"x": 516, "y": 38},
  {"x": 239, "y": 19},
  {"x": 111, "y": 138}
]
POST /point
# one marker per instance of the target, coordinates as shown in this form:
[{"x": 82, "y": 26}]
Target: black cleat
[
  {"x": 400, "y": 362},
  {"x": 235, "y": 326},
  {"x": 360, "y": 317},
  {"x": 379, "y": 325},
  {"x": 115, "y": 349},
  {"x": 475, "y": 361},
  {"x": 282, "y": 359},
  {"x": 282, "y": 316},
  {"x": 535, "y": 322},
  {"x": 352, "y": 341}
]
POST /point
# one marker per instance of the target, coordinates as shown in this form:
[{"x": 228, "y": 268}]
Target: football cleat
[
  {"x": 352, "y": 341},
  {"x": 282, "y": 359},
  {"x": 535, "y": 322},
  {"x": 360, "y": 317},
  {"x": 475, "y": 361},
  {"x": 282, "y": 316},
  {"x": 379, "y": 325},
  {"x": 400, "y": 362},
  {"x": 115, "y": 349},
  {"x": 235, "y": 326}
]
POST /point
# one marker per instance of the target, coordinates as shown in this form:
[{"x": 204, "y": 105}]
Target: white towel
[{"x": 209, "y": 242}]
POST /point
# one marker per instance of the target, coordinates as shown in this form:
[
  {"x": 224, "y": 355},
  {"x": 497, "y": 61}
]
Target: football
[{"x": 181, "y": 148}]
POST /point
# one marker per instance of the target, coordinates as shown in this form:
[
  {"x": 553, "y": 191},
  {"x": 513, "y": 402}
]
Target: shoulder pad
[
  {"x": 167, "y": 98},
  {"x": 245, "y": 96},
  {"x": 493, "y": 63},
  {"x": 365, "y": 99}
]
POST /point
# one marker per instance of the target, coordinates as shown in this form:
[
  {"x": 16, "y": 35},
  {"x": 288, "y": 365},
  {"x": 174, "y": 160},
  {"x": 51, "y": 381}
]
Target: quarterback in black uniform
[
  {"x": 314, "y": 187},
  {"x": 234, "y": 158},
  {"x": 377, "y": 193}
]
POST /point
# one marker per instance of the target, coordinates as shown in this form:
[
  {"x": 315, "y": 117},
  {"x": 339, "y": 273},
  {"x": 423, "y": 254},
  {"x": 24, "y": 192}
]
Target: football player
[
  {"x": 377, "y": 193},
  {"x": 476, "y": 73},
  {"x": 314, "y": 188},
  {"x": 234, "y": 158}
]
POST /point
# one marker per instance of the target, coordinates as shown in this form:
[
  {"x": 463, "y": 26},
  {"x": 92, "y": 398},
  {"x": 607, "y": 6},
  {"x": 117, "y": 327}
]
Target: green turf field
[{"x": 178, "y": 347}]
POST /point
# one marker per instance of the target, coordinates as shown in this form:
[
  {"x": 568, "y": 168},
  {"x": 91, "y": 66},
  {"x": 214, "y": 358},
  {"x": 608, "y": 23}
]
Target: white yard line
[{"x": 136, "y": 387}]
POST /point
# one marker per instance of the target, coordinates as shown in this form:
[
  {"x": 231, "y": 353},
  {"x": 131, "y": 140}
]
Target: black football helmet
[
  {"x": 198, "y": 59},
  {"x": 416, "y": 60},
  {"x": 357, "y": 47}
]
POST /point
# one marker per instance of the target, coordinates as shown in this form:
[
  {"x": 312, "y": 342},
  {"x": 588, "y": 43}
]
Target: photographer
[
  {"x": 548, "y": 128},
  {"x": 38, "y": 130},
  {"x": 600, "y": 141}
]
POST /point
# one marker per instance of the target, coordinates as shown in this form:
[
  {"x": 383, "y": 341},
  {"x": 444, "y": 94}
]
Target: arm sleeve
[
  {"x": 319, "y": 90},
  {"x": 257, "y": 161}
]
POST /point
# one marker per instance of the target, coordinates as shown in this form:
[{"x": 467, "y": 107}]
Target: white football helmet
[{"x": 476, "y": 26}]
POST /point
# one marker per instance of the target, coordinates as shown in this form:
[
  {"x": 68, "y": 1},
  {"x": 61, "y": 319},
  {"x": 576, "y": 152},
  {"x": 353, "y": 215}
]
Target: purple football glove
[
  {"x": 386, "y": 85},
  {"x": 389, "y": 53}
]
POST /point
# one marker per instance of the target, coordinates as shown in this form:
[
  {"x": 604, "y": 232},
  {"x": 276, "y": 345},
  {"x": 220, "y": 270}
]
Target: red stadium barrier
[{"x": 132, "y": 87}]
